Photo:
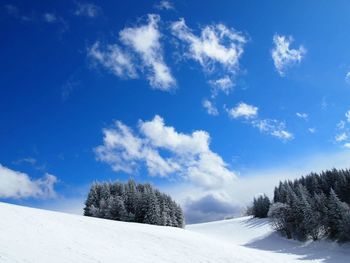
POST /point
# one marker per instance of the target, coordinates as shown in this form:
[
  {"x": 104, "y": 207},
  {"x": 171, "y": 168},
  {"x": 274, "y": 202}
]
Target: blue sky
[{"x": 212, "y": 102}]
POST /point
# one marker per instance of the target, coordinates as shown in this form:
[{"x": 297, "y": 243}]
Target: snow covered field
[{"x": 34, "y": 236}]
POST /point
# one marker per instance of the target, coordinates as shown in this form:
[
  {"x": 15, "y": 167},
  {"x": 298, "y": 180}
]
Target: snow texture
[{"x": 34, "y": 236}]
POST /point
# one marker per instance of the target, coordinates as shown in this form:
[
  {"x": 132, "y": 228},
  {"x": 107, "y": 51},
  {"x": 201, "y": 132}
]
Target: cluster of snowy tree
[
  {"x": 314, "y": 206},
  {"x": 260, "y": 207},
  {"x": 132, "y": 202}
]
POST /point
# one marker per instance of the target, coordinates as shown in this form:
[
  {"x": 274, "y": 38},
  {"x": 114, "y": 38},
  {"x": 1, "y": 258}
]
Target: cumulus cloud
[
  {"x": 302, "y": 115},
  {"x": 145, "y": 41},
  {"x": 210, "y": 107},
  {"x": 87, "y": 9},
  {"x": 164, "y": 152},
  {"x": 283, "y": 56},
  {"x": 114, "y": 59},
  {"x": 224, "y": 84},
  {"x": 243, "y": 110},
  {"x": 164, "y": 5},
  {"x": 14, "y": 184}
]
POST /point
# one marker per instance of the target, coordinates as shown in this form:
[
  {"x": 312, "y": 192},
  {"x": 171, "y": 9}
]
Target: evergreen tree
[
  {"x": 261, "y": 206},
  {"x": 336, "y": 214},
  {"x": 132, "y": 202}
]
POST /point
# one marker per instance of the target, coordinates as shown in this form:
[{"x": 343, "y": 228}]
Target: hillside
[{"x": 33, "y": 235}]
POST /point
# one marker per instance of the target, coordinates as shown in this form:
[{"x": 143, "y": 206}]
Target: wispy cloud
[
  {"x": 145, "y": 41},
  {"x": 343, "y": 131},
  {"x": 269, "y": 126},
  {"x": 283, "y": 56},
  {"x": 216, "y": 47},
  {"x": 302, "y": 115},
  {"x": 341, "y": 137},
  {"x": 164, "y": 152},
  {"x": 113, "y": 58},
  {"x": 14, "y": 184},
  {"x": 50, "y": 17},
  {"x": 164, "y": 5},
  {"x": 312, "y": 130},
  {"x": 28, "y": 160},
  {"x": 341, "y": 125},
  {"x": 273, "y": 127},
  {"x": 224, "y": 84},
  {"x": 347, "y": 115},
  {"x": 69, "y": 86},
  {"x": 210, "y": 107},
  {"x": 347, "y": 77},
  {"x": 347, "y": 145},
  {"x": 87, "y": 9},
  {"x": 14, "y": 12}
]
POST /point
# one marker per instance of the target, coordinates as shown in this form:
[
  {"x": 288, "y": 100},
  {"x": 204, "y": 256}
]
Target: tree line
[
  {"x": 133, "y": 202},
  {"x": 314, "y": 206}
]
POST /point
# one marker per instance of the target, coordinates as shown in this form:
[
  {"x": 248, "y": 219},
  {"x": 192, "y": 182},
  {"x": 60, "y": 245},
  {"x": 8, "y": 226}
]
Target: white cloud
[
  {"x": 114, "y": 59},
  {"x": 224, "y": 84},
  {"x": 164, "y": 5},
  {"x": 269, "y": 126},
  {"x": 87, "y": 9},
  {"x": 282, "y": 134},
  {"x": 216, "y": 44},
  {"x": 164, "y": 152},
  {"x": 347, "y": 115},
  {"x": 211, "y": 109},
  {"x": 274, "y": 128},
  {"x": 283, "y": 56},
  {"x": 145, "y": 40},
  {"x": 302, "y": 115},
  {"x": 15, "y": 184},
  {"x": 341, "y": 137},
  {"x": 243, "y": 110}
]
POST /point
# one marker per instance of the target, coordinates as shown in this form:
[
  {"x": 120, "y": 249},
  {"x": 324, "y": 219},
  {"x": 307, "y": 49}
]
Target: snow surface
[{"x": 34, "y": 236}]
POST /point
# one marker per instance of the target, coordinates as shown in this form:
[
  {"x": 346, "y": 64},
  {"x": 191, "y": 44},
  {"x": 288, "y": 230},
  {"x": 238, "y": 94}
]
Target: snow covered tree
[
  {"x": 318, "y": 205},
  {"x": 116, "y": 209},
  {"x": 279, "y": 213},
  {"x": 336, "y": 215},
  {"x": 134, "y": 203},
  {"x": 261, "y": 206}
]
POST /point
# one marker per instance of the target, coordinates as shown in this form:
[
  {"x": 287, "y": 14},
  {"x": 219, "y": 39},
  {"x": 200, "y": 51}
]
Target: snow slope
[{"x": 34, "y": 236}]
